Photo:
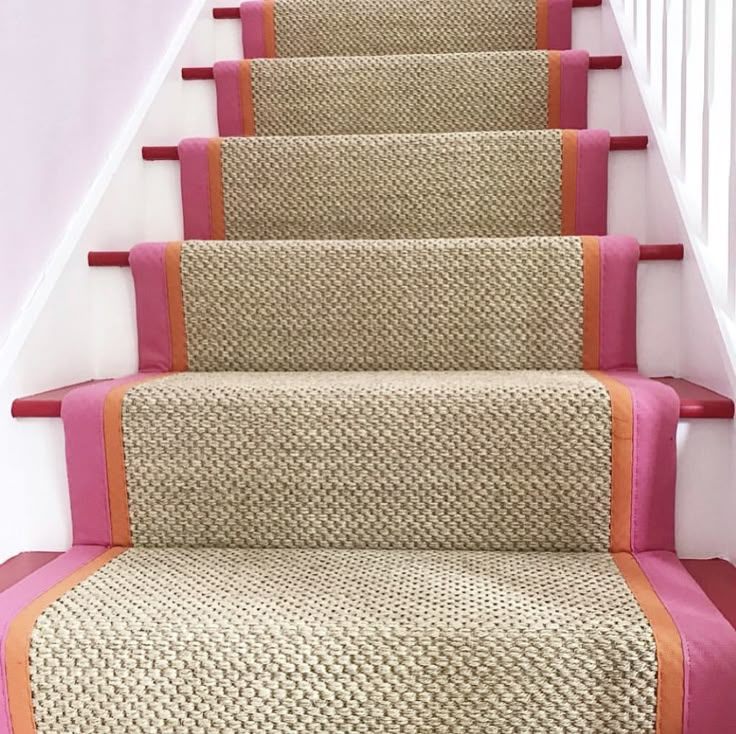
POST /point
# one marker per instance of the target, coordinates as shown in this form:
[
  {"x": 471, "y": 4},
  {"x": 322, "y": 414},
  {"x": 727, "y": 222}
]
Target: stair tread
[
  {"x": 349, "y": 638},
  {"x": 371, "y": 27}
]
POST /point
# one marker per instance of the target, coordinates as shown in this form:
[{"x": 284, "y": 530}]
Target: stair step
[
  {"x": 377, "y": 459},
  {"x": 416, "y": 93},
  {"x": 364, "y": 640},
  {"x": 531, "y": 303},
  {"x": 717, "y": 578},
  {"x": 697, "y": 401},
  {"x": 294, "y": 28},
  {"x": 709, "y": 405}
]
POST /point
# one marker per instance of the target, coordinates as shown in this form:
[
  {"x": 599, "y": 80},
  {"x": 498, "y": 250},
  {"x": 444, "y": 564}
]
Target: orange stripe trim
[
  {"x": 176, "y": 307},
  {"x": 622, "y": 450},
  {"x": 591, "y": 303},
  {"x": 670, "y": 663},
  {"x": 569, "y": 180},
  {"x": 269, "y": 29},
  {"x": 117, "y": 489},
  {"x": 217, "y": 212},
  {"x": 246, "y": 98},
  {"x": 18, "y": 644},
  {"x": 542, "y": 24},
  {"x": 554, "y": 99}
]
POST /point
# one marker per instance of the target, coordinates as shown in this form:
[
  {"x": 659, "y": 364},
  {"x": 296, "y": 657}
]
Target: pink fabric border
[
  {"x": 195, "y": 188},
  {"x": 574, "y": 90},
  {"x": 86, "y": 464},
  {"x": 229, "y": 105},
  {"x": 19, "y": 596},
  {"x": 148, "y": 265},
  {"x": 559, "y": 24},
  {"x": 656, "y": 410},
  {"x": 619, "y": 260},
  {"x": 708, "y": 645},
  {"x": 251, "y": 23},
  {"x": 24, "y": 564},
  {"x": 591, "y": 208}
]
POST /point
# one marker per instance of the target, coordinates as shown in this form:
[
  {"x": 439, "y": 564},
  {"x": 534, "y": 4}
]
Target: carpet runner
[{"x": 387, "y": 464}]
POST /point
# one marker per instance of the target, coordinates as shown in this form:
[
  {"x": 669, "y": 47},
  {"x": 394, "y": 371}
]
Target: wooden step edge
[
  {"x": 696, "y": 402},
  {"x": 717, "y": 578},
  {"x": 617, "y": 143},
  {"x": 121, "y": 258},
  {"x": 15, "y": 569},
  {"x": 227, "y": 13},
  {"x": 44, "y": 404},
  {"x": 198, "y": 73}
]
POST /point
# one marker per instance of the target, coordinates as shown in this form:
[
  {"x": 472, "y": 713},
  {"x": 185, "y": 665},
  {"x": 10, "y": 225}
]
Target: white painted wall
[
  {"x": 75, "y": 324},
  {"x": 72, "y": 74},
  {"x": 81, "y": 321}
]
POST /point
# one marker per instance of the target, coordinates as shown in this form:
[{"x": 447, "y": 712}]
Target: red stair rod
[
  {"x": 234, "y": 13},
  {"x": 190, "y": 73},
  {"x": 171, "y": 152}
]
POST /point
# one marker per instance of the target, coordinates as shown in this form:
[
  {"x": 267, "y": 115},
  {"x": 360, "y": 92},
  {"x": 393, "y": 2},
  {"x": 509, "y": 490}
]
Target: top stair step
[
  {"x": 375, "y": 27},
  {"x": 230, "y": 13}
]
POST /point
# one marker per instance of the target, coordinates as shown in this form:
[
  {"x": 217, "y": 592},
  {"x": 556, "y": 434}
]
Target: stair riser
[{"x": 500, "y": 184}]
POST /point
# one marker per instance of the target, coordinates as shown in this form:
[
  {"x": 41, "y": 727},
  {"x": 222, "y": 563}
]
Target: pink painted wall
[{"x": 70, "y": 75}]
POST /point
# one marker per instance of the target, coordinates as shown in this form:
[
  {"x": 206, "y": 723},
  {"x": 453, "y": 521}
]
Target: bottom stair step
[{"x": 336, "y": 641}]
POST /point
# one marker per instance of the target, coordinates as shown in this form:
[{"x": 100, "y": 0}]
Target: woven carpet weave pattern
[
  {"x": 427, "y": 93},
  {"x": 300, "y": 641},
  {"x": 391, "y": 305},
  {"x": 502, "y": 184},
  {"x": 386, "y": 466},
  {"x": 370, "y": 460},
  {"x": 376, "y": 27}
]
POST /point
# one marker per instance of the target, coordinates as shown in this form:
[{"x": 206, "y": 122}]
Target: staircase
[{"x": 388, "y": 463}]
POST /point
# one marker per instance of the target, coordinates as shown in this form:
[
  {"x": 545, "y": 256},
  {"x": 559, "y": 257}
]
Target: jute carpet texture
[{"x": 387, "y": 465}]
